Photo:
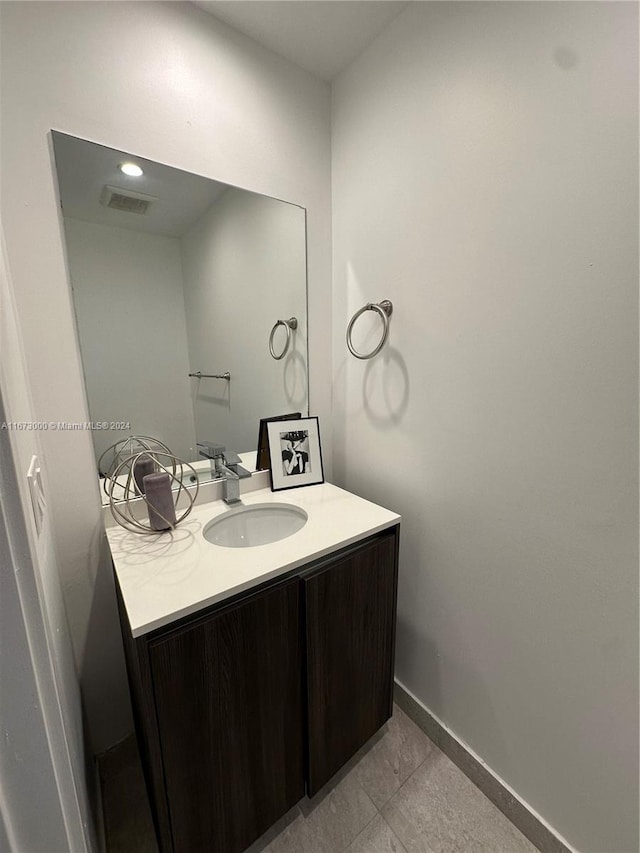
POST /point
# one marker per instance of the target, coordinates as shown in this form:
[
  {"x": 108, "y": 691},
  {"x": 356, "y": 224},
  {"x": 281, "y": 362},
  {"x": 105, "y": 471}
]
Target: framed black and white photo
[
  {"x": 262, "y": 456},
  {"x": 294, "y": 453}
]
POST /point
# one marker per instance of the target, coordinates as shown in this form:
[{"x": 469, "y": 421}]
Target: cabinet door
[
  {"x": 228, "y": 699},
  {"x": 350, "y": 626}
]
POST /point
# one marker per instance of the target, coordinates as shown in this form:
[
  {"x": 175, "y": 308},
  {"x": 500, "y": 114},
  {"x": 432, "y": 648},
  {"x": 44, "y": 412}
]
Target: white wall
[
  {"x": 485, "y": 179},
  {"x": 244, "y": 268},
  {"x": 42, "y": 750},
  {"x": 135, "y": 278},
  {"x": 27, "y": 769},
  {"x": 166, "y": 81}
]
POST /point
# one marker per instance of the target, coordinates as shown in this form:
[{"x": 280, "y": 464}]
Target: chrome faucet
[{"x": 225, "y": 465}]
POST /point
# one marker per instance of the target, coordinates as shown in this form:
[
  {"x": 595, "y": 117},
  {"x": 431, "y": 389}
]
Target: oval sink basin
[{"x": 258, "y": 524}]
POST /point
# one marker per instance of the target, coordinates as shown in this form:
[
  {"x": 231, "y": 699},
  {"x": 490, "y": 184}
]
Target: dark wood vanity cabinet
[
  {"x": 228, "y": 703},
  {"x": 350, "y": 610},
  {"x": 241, "y": 706}
]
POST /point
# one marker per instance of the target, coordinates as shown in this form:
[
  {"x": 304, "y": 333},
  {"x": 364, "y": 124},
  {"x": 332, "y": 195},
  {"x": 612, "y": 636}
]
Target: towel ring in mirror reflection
[
  {"x": 290, "y": 324},
  {"x": 385, "y": 310}
]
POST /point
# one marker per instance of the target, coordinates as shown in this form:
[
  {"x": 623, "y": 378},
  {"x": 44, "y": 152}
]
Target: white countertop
[{"x": 166, "y": 576}]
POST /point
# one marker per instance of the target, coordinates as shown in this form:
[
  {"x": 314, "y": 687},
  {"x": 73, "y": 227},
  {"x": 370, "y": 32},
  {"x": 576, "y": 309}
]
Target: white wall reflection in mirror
[{"x": 194, "y": 283}]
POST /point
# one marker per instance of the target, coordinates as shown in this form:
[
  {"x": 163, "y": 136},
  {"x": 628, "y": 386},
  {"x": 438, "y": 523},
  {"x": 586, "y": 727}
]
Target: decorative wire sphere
[
  {"x": 125, "y": 449},
  {"x": 123, "y": 479}
]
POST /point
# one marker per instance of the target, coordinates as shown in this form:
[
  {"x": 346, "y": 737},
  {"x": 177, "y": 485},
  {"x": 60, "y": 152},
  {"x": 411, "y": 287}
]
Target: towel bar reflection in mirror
[{"x": 200, "y": 375}]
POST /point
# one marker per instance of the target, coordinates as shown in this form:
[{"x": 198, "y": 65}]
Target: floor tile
[
  {"x": 427, "y": 805},
  {"x": 438, "y": 810},
  {"x": 390, "y": 761},
  {"x": 330, "y": 822},
  {"x": 377, "y": 837}
]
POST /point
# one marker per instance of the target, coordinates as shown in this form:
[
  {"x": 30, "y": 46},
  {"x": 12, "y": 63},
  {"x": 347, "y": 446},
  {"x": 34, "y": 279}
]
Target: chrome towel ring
[
  {"x": 385, "y": 310},
  {"x": 290, "y": 324}
]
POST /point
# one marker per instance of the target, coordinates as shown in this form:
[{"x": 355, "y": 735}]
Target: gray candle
[
  {"x": 157, "y": 489},
  {"x": 141, "y": 467}
]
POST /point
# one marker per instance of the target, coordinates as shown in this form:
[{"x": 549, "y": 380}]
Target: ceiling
[{"x": 322, "y": 36}]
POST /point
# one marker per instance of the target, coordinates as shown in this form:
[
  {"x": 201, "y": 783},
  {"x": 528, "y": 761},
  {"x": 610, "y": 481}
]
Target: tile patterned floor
[{"x": 398, "y": 795}]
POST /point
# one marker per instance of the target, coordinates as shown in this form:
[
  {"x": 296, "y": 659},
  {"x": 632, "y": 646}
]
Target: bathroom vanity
[{"x": 256, "y": 672}]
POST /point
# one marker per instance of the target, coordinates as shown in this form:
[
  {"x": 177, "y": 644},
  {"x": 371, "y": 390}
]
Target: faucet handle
[
  {"x": 232, "y": 462},
  {"x": 209, "y": 450}
]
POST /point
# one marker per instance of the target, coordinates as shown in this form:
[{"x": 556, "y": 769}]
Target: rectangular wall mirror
[{"x": 174, "y": 274}]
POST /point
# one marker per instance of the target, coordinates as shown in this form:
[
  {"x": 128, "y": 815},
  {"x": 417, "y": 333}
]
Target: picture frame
[
  {"x": 295, "y": 454},
  {"x": 262, "y": 454}
]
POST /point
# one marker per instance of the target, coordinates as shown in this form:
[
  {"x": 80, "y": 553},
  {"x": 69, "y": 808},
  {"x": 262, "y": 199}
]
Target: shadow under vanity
[{"x": 279, "y": 672}]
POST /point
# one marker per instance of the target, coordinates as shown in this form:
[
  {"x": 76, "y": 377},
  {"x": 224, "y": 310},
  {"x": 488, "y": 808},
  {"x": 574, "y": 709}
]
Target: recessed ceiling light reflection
[{"x": 131, "y": 169}]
